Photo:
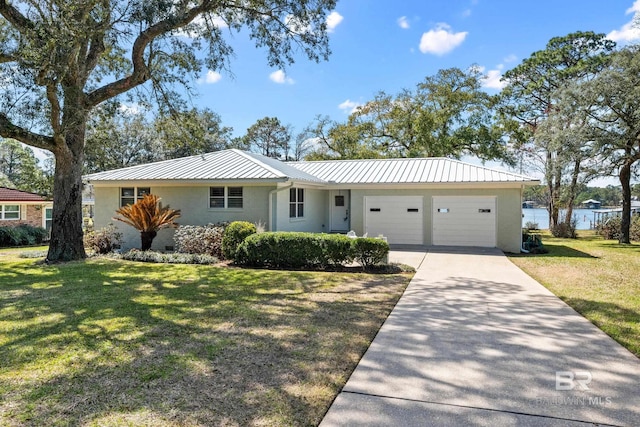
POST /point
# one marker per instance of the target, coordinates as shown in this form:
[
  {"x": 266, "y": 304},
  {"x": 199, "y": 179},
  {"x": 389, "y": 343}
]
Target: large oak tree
[
  {"x": 448, "y": 114},
  {"x": 61, "y": 58}
]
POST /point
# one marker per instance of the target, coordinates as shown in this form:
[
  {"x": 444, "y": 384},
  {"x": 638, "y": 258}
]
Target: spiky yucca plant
[{"x": 148, "y": 216}]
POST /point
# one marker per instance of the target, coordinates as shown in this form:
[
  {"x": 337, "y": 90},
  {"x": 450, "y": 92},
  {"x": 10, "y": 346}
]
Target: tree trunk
[
  {"x": 572, "y": 191},
  {"x": 146, "y": 238},
  {"x": 625, "y": 181},
  {"x": 66, "y": 231}
]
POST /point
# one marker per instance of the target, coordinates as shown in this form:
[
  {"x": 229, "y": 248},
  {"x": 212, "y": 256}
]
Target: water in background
[{"x": 541, "y": 216}]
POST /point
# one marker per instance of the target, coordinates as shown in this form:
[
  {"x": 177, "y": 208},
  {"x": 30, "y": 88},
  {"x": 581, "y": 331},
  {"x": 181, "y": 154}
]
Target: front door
[{"x": 339, "y": 200}]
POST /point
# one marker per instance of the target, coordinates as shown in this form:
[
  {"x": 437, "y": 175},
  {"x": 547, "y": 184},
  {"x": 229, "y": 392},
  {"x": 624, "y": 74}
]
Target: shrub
[
  {"x": 565, "y": 230},
  {"x": 234, "y": 235},
  {"x": 369, "y": 251},
  {"x": 294, "y": 250},
  {"x": 104, "y": 240},
  {"x": 530, "y": 225},
  {"x": 168, "y": 258},
  {"x": 22, "y": 235},
  {"x": 195, "y": 239},
  {"x": 611, "y": 229}
]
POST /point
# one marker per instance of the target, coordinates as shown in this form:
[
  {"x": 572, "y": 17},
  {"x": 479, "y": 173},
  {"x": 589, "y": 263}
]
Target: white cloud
[
  {"x": 280, "y": 77},
  {"x": 466, "y": 13},
  {"x": 635, "y": 8},
  {"x": 131, "y": 108},
  {"x": 212, "y": 77},
  {"x": 510, "y": 58},
  {"x": 491, "y": 79},
  {"x": 349, "y": 106},
  {"x": 441, "y": 40},
  {"x": 403, "y": 22},
  {"x": 333, "y": 20},
  {"x": 630, "y": 31}
]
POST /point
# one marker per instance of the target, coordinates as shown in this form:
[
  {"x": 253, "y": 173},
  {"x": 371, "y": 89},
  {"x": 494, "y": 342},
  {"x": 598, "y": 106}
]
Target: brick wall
[{"x": 34, "y": 217}]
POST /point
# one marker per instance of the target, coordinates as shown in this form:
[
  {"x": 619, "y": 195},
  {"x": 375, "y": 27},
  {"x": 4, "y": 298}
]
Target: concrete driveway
[{"x": 475, "y": 341}]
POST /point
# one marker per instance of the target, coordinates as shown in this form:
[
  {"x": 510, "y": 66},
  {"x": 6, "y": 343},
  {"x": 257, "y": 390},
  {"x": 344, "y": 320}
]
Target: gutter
[{"x": 271, "y": 193}]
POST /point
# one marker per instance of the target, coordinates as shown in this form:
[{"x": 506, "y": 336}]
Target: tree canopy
[
  {"x": 64, "y": 58},
  {"x": 534, "y": 89},
  {"x": 448, "y": 115}
]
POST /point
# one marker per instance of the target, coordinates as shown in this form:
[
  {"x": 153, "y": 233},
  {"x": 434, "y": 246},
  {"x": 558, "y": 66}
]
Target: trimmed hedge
[
  {"x": 234, "y": 235},
  {"x": 22, "y": 235},
  {"x": 308, "y": 250},
  {"x": 369, "y": 251}
]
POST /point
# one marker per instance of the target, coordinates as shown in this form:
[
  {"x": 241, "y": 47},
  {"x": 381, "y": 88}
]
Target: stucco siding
[
  {"x": 315, "y": 212},
  {"x": 193, "y": 202},
  {"x": 508, "y": 205}
]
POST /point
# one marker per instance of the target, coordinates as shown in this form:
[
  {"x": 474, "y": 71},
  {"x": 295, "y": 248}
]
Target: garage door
[
  {"x": 464, "y": 221},
  {"x": 399, "y": 218}
]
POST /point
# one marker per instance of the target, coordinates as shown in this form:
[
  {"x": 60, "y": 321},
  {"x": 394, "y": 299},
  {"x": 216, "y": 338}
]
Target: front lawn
[
  {"x": 108, "y": 342},
  {"x": 599, "y": 278}
]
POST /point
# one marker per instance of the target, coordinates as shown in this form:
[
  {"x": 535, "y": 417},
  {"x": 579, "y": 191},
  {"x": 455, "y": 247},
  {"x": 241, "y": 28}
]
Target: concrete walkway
[{"x": 475, "y": 341}]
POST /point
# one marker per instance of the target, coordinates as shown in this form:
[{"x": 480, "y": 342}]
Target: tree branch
[
  {"x": 141, "y": 72},
  {"x": 52, "y": 96},
  {"x": 5, "y": 58},
  {"x": 9, "y": 130},
  {"x": 15, "y": 18}
]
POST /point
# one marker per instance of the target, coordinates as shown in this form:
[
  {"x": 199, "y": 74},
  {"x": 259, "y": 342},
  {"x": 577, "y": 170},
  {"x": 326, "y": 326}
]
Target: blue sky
[{"x": 391, "y": 45}]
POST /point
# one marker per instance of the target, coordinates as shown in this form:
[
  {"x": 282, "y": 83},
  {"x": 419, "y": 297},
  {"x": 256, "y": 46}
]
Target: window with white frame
[
  {"x": 9, "y": 212},
  {"x": 226, "y": 197},
  {"x": 130, "y": 195},
  {"x": 296, "y": 203}
]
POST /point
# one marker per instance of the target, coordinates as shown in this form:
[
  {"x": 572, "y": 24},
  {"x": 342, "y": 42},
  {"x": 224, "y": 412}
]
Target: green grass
[
  {"x": 108, "y": 342},
  {"x": 599, "y": 278}
]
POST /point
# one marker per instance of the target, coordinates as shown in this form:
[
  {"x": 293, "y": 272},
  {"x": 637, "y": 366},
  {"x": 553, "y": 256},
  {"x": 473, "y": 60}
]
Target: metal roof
[
  {"x": 220, "y": 165},
  {"x": 11, "y": 195},
  {"x": 405, "y": 171},
  {"x": 241, "y": 165}
]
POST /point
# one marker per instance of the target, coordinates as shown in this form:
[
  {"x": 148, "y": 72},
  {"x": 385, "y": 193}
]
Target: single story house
[
  {"x": 21, "y": 207},
  {"x": 410, "y": 201}
]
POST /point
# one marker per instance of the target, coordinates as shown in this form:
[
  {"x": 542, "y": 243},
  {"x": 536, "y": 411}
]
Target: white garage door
[
  {"x": 464, "y": 221},
  {"x": 399, "y": 218}
]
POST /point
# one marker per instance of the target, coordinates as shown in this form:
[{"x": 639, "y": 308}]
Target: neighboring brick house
[{"x": 21, "y": 207}]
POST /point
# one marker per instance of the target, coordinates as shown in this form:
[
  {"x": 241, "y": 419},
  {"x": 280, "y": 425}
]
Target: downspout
[
  {"x": 271, "y": 193},
  {"x": 522, "y": 249}
]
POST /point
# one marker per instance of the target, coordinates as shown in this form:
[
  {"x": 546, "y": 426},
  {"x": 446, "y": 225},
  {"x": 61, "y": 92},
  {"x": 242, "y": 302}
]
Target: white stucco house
[{"x": 416, "y": 201}]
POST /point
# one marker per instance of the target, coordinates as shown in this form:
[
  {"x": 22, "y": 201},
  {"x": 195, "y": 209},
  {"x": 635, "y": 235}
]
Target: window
[
  {"x": 130, "y": 195},
  {"x": 296, "y": 203},
  {"x": 226, "y": 197},
  {"x": 48, "y": 218},
  {"x": 339, "y": 201},
  {"x": 9, "y": 212}
]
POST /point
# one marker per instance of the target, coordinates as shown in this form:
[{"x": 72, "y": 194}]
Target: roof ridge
[{"x": 250, "y": 156}]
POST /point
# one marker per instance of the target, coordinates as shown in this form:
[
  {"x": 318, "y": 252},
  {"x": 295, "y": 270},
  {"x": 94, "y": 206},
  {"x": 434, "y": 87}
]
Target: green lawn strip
[
  {"x": 599, "y": 278},
  {"x": 108, "y": 342}
]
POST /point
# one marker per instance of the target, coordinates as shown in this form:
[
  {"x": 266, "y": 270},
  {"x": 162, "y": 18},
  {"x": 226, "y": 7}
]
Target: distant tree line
[{"x": 609, "y": 196}]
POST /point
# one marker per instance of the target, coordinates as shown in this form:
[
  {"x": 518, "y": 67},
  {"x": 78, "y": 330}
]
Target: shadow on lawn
[
  {"x": 558, "y": 251},
  {"x": 217, "y": 346}
]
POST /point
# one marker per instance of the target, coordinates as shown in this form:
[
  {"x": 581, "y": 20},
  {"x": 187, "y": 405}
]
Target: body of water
[{"x": 541, "y": 216}]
